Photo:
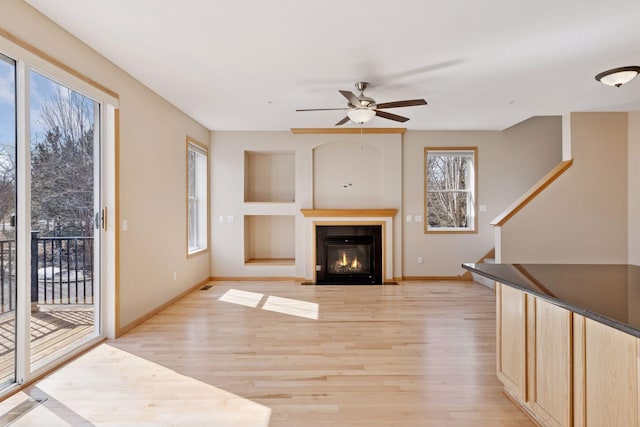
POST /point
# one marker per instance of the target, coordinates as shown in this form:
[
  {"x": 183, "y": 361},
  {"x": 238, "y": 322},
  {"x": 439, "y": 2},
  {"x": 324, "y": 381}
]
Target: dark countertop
[{"x": 606, "y": 293}]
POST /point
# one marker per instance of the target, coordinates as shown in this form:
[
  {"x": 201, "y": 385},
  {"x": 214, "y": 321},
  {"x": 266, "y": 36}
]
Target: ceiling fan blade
[
  {"x": 343, "y": 121},
  {"x": 353, "y": 100},
  {"x": 407, "y": 103},
  {"x": 390, "y": 116},
  {"x": 322, "y": 109}
]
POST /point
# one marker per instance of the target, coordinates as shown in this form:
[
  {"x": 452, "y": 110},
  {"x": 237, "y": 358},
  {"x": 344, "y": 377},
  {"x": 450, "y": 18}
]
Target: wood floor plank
[{"x": 419, "y": 354}]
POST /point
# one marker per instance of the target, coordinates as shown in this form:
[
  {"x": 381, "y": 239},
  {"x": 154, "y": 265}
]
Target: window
[
  {"x": 197, "y": 201},
  {"x": 450, "y": 189}
]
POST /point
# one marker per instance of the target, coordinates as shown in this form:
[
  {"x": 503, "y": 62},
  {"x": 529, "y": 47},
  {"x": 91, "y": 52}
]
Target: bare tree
[
  {"x": 69, "y": 112},
  {"x": 447, "y": 188},
  {"x": 62, "y": 165},
  {"x": 7, "y": 184}
]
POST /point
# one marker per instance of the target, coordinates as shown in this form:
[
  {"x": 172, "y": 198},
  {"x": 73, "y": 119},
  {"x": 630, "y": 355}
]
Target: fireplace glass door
[
  {"x": 348, "y": 255},
  {"x": 349, "y": 258}
]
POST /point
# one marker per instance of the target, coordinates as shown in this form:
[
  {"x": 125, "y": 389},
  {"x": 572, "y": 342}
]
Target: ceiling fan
[{"x": 361, "y": 109}]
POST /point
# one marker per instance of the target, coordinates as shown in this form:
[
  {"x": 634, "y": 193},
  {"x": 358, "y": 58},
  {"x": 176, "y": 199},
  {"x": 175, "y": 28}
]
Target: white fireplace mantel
[{"x": 314, "y": 217}]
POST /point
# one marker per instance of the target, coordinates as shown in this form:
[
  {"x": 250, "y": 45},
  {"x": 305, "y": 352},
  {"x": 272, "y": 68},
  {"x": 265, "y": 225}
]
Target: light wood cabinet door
[
  {"x": 607, "y": 367},
  {"x": 562, "y": 368},
  {"x": 511, "y": 340},
  {"x": 549, "y": 362}
]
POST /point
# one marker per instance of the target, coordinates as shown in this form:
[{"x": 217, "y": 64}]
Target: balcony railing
[
  {"x": 7, "y": 275},
  {"x": 61, "y": 271}
]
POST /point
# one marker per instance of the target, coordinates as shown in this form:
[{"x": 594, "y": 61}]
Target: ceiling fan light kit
[
  {"x": 618, "y": 76},
  {"x": 361, "y": 115},
  {"x": 361, "y": 109}
]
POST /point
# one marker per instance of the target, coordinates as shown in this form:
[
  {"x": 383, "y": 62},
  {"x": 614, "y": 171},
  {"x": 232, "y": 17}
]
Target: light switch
[
  {"x": 230, "y": 218},
  {"x": 220, "y": 219},
  {"x": 409, "y": 218},
  {"x": 483, "y": 208},
  {"x": 125, "y": 225},
  {"x": 418, "y": 218}
]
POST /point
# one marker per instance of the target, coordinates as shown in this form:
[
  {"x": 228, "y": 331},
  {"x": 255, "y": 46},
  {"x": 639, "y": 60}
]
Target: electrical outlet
[
  {"x": 420, "y": 260},
  {"x": 175, "y": 275}
]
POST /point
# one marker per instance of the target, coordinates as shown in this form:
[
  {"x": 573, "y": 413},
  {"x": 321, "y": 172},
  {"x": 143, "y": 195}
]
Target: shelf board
[{"x": 270, "y": 261}]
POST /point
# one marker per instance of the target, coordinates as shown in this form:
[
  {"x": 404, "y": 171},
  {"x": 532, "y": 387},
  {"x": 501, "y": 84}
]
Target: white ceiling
[{"x": 481, "y": 64}]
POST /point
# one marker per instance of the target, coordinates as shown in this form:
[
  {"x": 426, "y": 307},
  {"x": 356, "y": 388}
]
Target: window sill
[
  {"x": 196, "y": 252},
  {"x": 450, "y": 231}
]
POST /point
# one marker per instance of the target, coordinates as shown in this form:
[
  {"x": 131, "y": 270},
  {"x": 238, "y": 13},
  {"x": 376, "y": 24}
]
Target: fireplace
[{"x": 348, "y": 254}]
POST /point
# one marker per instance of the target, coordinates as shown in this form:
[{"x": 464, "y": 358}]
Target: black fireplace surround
[{"x": 348, "y": 254}]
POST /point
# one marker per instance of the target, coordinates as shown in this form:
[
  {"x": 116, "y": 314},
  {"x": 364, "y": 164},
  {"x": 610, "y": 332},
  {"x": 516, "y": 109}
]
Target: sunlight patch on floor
[
  {"x": 110, "y": 386},
  {"x": 292, "y": 306},
  {"x": 236, "y": 296},
  {"x": 281, "y": 305}
]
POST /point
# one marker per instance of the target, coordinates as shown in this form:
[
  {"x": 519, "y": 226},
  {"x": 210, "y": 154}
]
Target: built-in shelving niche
[
  {"x": 269, "y": 239},
  {"x": 269, "y": 176},
  {"x": 269, "y": 217}
]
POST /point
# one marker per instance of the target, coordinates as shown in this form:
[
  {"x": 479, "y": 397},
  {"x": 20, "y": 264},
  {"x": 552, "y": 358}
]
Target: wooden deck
[{"x": 52, "y": 329}]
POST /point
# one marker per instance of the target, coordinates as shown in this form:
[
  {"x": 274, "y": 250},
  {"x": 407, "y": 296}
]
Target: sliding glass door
[
  {"x": 65, "y": 178},
  {"x": 50, "y": 219}
]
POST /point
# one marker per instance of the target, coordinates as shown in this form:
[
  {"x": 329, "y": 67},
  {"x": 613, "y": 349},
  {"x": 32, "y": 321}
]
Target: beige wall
[
  {"x": 509, "y": 162},
  {"x": 582, "y": 216},
  {"x": 386, "y": 171},
  {"x": 269, "y": 237},
  {"x": 229, "y": 230},
  {"x": 269, "y": 177},
  {"x": 322, "y": 164},
  {"x": 152, "y": 169},
  {"x": 634, "y": 188},
  {"x": 352, "y": 164}
]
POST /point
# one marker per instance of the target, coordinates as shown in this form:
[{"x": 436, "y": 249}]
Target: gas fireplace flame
[{"x": 345, "y": 264}]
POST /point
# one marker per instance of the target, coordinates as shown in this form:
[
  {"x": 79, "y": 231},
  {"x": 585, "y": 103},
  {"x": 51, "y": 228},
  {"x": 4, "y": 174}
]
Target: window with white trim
[
  {"x": 197, "y": 202},
  {"x": 450, "y": 189}
]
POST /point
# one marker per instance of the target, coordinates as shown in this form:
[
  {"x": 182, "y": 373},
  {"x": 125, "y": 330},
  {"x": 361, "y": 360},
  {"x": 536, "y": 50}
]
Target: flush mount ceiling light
[
  {"x": 361, "y": 115},
  {"x": 618, "y": 76}
]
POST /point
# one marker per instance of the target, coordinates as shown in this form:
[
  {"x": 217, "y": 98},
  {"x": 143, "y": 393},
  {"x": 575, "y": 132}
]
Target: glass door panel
[
  {"x": 8, "y": 273},
  {"x": 64, "y": 195}
]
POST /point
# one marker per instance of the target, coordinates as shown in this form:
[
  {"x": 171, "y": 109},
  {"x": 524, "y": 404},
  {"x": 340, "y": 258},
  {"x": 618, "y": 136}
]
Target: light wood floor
[{"x": 418, "y": 354}]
